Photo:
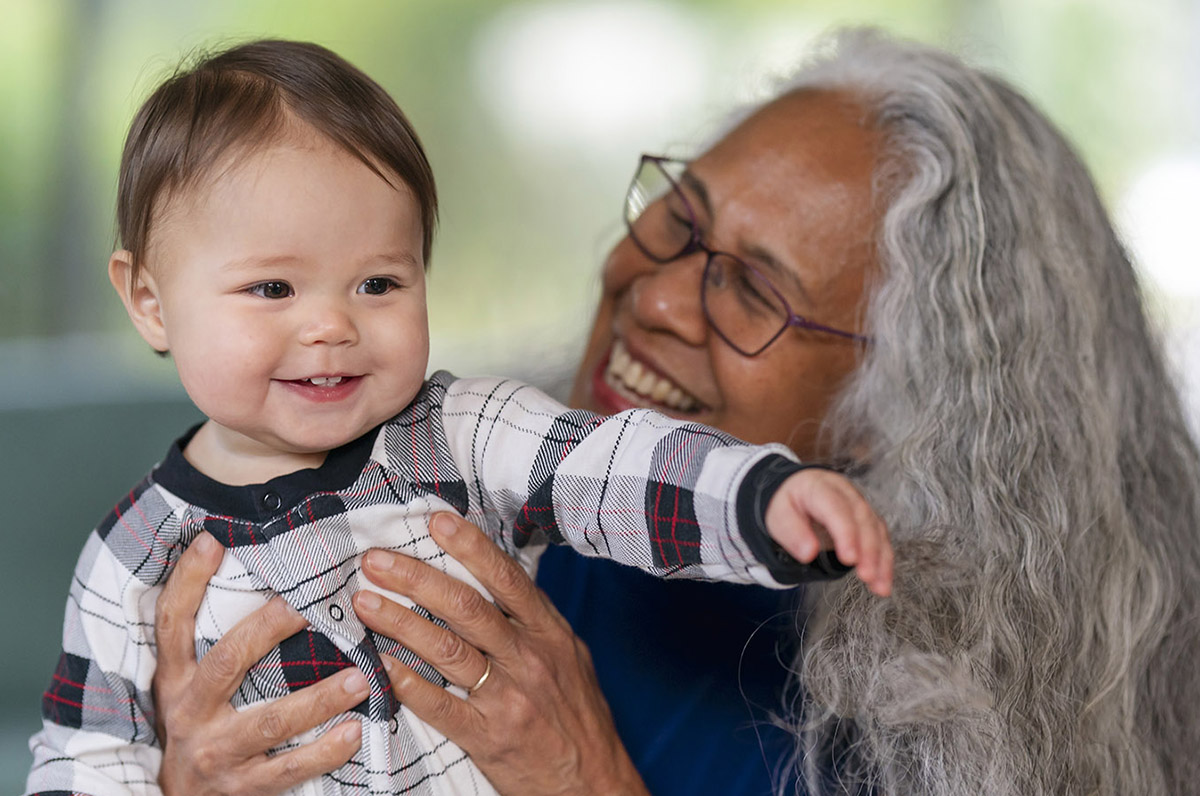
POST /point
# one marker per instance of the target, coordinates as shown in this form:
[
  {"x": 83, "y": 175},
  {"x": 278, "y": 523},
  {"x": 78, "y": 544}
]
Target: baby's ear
[{"x": 140, "y": 298}]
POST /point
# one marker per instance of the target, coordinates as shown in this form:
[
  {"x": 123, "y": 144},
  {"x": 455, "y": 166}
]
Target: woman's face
[{"x": 788, "y": 191}]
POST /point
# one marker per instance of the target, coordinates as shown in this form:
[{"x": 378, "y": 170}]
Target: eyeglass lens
[
  {"x": 659, "y": 218},
  {"x": 741, "y": 305}
]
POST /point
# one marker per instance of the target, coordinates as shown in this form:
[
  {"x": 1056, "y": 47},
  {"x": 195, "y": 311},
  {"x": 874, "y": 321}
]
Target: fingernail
[
  {"x": 388, "y": 664},
  {"x": 204, "y": 542},
  {"x": 355, "y": 682},
  {"x": 350, "y": 732},
  {"x": 369, "y": 600},
  {"x": 443, "y": 525},
  {"x": 381, "y": 560}
]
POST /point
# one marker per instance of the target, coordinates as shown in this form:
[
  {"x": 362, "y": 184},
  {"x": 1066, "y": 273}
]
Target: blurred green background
[{"x": 533, "y": 114}]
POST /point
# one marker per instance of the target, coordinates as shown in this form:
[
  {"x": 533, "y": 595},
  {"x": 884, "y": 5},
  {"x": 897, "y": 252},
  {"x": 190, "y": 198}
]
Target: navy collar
[{"x": 260, "y": 502}]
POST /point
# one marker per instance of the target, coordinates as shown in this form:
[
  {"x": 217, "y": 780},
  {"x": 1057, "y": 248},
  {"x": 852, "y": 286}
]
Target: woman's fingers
[
  {"x": 209, "y": 763},
  {"x": 328, "y": 752},
  {"x": 265, "y": 726},
  {"x": 210, "y": 748},
  {"x": 222, "y": 670},
  {"x": 540, "y": 701},
  {"x": 508, "y": 583},
  {"x": 472, "y": 617},
  {"x": 446, "y": 713},
  {"x": 458, "y": 661},
  {"x": 175, "y": 611}
]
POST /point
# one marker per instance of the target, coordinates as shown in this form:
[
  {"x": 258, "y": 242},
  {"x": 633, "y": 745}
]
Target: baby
[{"x": 276, "y": 212}]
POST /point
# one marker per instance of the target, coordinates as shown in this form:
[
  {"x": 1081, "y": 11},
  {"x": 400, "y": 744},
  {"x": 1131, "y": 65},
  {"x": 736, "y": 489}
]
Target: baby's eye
[
  {"x": 378, "y": 285},
  {"x": 271, "y": 290}
]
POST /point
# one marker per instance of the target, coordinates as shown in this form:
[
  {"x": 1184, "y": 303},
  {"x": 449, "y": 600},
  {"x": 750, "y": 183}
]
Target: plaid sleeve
[
  {"x": 638, "y": 487},
  {"x": 97, "y": 732}
]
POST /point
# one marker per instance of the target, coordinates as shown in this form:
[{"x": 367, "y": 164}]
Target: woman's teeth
[
  {"x": 325, "y": 381},
  {"x": 635, "y": 377}
]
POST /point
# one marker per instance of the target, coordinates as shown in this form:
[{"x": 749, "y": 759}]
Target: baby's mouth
[
  {"x": 626, "y": 374},
  {"x": 330, "y": 383}
]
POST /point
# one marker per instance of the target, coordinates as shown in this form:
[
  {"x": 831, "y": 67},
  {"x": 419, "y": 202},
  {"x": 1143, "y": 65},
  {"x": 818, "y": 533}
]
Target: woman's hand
[
  {"x": 208, "y": 747},
  {"x": 535, "y": 721}
]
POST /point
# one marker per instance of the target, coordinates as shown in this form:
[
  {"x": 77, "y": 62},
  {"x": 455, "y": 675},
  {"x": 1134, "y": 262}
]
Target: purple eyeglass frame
[{"x": 695, "y": 243}]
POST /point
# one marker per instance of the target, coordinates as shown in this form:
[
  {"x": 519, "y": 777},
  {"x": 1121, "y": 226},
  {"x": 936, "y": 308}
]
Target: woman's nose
[
  {"x": 329, "y": 323},
  {"x": 663, "y": 297}
]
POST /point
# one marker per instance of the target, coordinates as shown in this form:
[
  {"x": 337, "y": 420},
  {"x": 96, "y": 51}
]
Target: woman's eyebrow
[
  {"x": 697, "y": 186},
  {"x": 762, "y": 256},
  {"x": 776, "y": 269}
]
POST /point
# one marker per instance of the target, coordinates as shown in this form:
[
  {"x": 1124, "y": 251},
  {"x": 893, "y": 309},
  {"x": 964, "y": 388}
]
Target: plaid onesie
[{"x": 676, "y": 499}]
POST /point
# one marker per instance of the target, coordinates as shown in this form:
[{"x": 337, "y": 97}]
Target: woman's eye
[
  {"x": 378, "y": 285},
  {"x": 679, "y": 227},
  {"x": 271, "y": 290},
  {"x": 679, "y": 220}
]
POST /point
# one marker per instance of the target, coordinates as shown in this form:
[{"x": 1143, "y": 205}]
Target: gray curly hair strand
[{"x": 1029, "y": 452}]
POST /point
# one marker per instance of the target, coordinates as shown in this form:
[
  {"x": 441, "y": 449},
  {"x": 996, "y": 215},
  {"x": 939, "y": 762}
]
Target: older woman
[{"x": 1012, "y": 420}]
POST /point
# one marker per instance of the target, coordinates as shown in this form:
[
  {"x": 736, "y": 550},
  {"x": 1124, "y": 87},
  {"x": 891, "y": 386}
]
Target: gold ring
[{"x": 487, "y": 672}]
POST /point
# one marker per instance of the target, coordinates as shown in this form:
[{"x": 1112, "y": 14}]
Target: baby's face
[{"x": 292, "y": 296}]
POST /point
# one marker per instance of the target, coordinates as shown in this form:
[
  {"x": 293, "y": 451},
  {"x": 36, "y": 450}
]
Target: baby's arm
[
  {"x": 818, "y": 510},
  {"x": 98, "y": 735},
  {"x": 673, "y": 498}
]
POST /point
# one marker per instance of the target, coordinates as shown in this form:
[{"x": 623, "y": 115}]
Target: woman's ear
[{"x": 141, "y": 299}]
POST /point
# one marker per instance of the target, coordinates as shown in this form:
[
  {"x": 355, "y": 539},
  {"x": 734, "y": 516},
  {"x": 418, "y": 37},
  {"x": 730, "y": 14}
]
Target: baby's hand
[{"x": 816, "y": 510}]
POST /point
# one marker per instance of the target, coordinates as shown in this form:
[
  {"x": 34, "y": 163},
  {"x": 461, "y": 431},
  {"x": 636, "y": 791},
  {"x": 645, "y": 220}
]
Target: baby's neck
[{"x": 236, "y": 460}]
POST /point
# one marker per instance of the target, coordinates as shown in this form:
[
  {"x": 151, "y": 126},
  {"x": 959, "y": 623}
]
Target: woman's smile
[{"x": 638, "y": 382}]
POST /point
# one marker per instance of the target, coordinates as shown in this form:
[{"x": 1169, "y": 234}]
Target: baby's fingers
[
  {"x": 791, "y": 529},
  {"x": 871, "y": 541},
  {"x": 858, "y": 536}
]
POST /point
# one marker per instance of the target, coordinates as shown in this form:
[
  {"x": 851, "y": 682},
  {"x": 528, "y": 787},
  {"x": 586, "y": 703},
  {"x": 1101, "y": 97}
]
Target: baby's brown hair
[{"x": 242, "y": 98}]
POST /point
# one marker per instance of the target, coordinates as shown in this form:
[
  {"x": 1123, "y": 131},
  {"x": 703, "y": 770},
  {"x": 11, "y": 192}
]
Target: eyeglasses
[{"x": 742, "y": 306}]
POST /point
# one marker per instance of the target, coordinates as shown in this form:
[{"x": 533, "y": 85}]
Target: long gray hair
[{"x": 1029, "y": 452}]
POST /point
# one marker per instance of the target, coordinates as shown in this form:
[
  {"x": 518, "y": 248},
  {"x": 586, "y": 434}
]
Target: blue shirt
[{"x": 693, "y": 671}]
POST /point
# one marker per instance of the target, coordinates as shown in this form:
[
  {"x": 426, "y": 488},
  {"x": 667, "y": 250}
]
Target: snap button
[
  {"x": 271, "y": 501},
  {"x": 336, "y": 612}
]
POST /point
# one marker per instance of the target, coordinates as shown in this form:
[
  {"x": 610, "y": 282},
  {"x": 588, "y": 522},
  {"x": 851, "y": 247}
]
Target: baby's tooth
[{"x": 661, "y": 388}]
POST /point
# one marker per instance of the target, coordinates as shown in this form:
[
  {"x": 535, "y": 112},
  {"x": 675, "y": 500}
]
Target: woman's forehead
[
  {"x": 822, "y": 135},
  {"x": 796, "y": 179}
]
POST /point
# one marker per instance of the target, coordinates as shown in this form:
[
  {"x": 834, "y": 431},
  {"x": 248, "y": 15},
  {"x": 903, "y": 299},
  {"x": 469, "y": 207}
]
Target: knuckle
[
  {"x": 520, "y": 713},
  {"x": 270, "y": 725},
  {"x": 411, "y": 573},
  {"x": 452, "y": 650},
  {"x": 207, "y": 761},
  {"x": 537, "y": 669},
  {"x": 292, "y": 769},
  {"x": 583, "y": 652},
  {"x": 466, "y": 603},
  {"x": 171, "y": 716},
  {"x": 163, "y": 613},
  {"x": 223, "y": 661},
  {"x": 324, "y": 697},
  {"x": 441, "y": 711},
  {"x": 511, "y": 579}
]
